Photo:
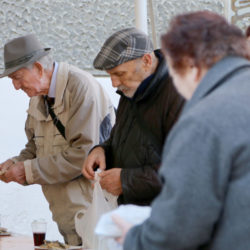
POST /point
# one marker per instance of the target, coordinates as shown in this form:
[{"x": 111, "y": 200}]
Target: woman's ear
[
  {"x": 197, "y": 72},
  {"x": 200, "y": 72}
]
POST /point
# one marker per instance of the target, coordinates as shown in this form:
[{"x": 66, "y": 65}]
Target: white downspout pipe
[
  {"x": 228, "y": 10},
  {"x": 141, "y": 15}
]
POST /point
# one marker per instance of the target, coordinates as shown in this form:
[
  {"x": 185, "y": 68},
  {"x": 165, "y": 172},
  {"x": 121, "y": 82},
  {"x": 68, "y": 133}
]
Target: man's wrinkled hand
[
  {"x": 5, "y": 165},
  {"x": 111, "y": 181},
  {"x": 95, "y": 159},
  {"x": 15, "y": 173}
]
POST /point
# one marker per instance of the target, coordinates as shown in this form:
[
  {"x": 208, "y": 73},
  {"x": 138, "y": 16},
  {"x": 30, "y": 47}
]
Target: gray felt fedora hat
[
  {"x": 124, "y": 45},
  {"x": 22, "y": 51}
]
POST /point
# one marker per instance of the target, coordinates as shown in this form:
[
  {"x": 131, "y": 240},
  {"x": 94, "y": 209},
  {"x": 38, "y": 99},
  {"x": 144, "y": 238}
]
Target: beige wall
[{"x": 76, "y": 29}]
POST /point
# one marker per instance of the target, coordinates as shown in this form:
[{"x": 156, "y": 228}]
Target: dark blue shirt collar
[{"x": 142, "y": 86}]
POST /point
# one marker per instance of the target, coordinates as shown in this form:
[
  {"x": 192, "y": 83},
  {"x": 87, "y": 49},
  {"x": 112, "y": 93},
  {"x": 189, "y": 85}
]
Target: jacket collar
[
  {"x": 52, "y": 87},
  {"x": 215, "y": 77},
  {"x": 61, "y": 83},
  {"x": 37, "y": 107}
]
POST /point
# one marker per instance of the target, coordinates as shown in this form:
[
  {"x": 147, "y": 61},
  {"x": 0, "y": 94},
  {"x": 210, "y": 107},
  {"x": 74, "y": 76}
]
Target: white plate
[{"x": 70, "y": 248}]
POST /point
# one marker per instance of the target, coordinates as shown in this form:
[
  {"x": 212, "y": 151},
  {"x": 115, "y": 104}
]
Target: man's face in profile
[{"x": 127, "y": 76}]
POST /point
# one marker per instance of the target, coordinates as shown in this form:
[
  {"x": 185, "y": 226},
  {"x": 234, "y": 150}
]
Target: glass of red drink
[{"x": 39, "y": 231}]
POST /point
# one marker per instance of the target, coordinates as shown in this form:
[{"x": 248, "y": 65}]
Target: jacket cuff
[
  {"x": 96, "y": 146},
  {"x": 14, "y": 159},
  {"x": 28, "y": 171}
]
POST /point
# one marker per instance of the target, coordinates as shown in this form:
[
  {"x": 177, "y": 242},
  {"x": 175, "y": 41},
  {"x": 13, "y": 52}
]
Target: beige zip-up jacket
[{"x": 88, "y": 116}]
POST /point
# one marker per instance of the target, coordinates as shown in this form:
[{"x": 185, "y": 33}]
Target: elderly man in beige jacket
[{"x": 68, "y": 114}]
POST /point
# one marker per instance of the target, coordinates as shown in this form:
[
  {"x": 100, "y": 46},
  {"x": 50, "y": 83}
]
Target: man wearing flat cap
[
  {"x": 68, "y": 114},
  {"x": 148, "y": 108}
]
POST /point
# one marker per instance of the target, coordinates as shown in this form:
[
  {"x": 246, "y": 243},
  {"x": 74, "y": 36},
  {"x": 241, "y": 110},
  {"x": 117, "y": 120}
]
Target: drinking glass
[{"x": 39, "y": 231}]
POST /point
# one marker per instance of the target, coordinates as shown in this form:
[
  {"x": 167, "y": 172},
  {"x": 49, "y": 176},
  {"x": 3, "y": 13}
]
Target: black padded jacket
[{"x": 136, "y": 142}]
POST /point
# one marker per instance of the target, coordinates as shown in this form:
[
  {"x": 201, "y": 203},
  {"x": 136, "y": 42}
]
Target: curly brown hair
[{"x": 204, "y": 37}]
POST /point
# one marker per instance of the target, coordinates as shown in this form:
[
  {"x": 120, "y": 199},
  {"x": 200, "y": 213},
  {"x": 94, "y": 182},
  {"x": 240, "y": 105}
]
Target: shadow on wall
[{"x": 20, "y": 205}]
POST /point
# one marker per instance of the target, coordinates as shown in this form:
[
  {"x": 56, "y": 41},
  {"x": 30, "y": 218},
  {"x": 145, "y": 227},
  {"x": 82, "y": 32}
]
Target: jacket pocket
[
  {"x": 59, "y": 140},
  {"x": 59, "y": 143}
]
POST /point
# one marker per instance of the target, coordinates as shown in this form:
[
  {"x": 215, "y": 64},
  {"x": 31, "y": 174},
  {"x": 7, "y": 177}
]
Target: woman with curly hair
[{"x": 205, "y": 201}]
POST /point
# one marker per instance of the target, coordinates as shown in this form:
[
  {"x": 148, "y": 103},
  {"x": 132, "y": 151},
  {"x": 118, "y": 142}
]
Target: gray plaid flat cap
[{"x": 124, "y": 45}]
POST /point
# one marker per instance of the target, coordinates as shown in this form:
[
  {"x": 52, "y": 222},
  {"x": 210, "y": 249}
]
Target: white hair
[{"x": 46, "y": 61}]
